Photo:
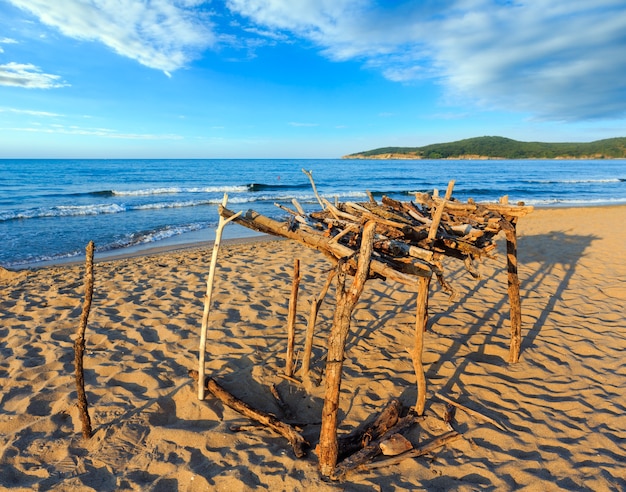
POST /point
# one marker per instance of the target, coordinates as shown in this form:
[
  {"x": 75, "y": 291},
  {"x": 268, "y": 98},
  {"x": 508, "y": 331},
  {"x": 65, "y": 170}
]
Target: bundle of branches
[{"x": 411, "y": 237}]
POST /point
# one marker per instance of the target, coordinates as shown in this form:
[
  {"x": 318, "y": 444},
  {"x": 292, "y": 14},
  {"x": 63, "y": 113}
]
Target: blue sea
[{"x": 50, "y": 209}]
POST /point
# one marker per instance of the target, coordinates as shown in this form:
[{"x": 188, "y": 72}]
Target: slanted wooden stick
[
  {"x": 298, "y": 443},
  {"x": 209, "y": 293},
  {"x": 291, "y": 318},
  {"x": 346, "y": 301},
  {"x": 79, "y": 344},
  {"x": 310, "y": 176},
  {"x": 316, "y": 303}
]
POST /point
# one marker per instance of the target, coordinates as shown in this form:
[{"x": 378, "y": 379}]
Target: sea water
[{"x": 50, "y": 209}]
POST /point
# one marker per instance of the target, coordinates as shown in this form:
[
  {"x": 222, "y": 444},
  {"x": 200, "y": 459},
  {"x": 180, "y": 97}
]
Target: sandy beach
[{"x": 561, "y": 409}]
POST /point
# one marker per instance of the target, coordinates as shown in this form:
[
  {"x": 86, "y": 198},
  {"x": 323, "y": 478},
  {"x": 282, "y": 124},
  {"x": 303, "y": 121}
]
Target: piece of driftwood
[
  {"x": 316, "y": 303},
  {"x": 309, "y": 175},
  {"x": 372, "y": 450},
  {"x": 291, "y": 319},
  {"x": 79, "y": 344},
  {"x": 473, "y": 413},
  {"x": 515, "y": 307},
  {"x": 421, "y": 321},
  {"x": 298, "y": 443},
  {"x": 346, "y": 301},
  {"x": 362, "y": 436},
  {"x": 433, "y": 445},
  {"x": 209, "y": 293}
]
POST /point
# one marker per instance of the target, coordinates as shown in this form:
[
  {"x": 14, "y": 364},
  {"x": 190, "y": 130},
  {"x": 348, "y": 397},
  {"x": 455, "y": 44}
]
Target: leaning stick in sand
[
  {"x": 316, "y": 303},
  {"x": 79, "y": 344},
  {"x": 209, "y": 293},
  {"x": 291, "y": 318},
  {"x": 298, "y": 443}
]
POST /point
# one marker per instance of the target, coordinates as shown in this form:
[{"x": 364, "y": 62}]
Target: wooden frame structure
[{"x": 400, "y": 241}]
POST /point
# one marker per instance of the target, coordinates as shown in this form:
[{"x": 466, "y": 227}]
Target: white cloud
[
  {"x": 556, "y": 59},
  {"x": 92, "y": 132},
  {"x": 160, "y": 34},
  {"x": 28, "y": 76},
  {"x": 29, "y": 112}
]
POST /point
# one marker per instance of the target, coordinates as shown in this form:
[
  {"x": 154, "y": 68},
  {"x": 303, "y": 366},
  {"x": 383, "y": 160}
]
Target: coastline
[
  {"x": 176, "y": 244},
  {"x": 560, "y": 405}
]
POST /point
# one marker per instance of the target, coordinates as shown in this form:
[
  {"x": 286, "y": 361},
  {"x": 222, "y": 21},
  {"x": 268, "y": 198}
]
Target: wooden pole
[
  {"x": 346, "y": 301},
  {"x": 513, "y": 289},
  {"x": 79, "y": 344},
  {"x": 421, "y": 320},
  {"x": 209, "y": 293},
  {"x": 316, "y": 303},
  {"x": 291, "y": 318}
]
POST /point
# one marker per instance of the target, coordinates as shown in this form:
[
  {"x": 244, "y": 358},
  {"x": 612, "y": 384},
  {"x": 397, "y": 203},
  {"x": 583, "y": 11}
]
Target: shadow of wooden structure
[{"x": 397, "y": 241}]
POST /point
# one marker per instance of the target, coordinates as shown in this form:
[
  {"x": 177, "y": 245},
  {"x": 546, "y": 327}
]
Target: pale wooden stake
[
  {"x": 346, "y": 301},
  {"x": 310, "y": 176},
  {"x": 291, "y": 318},
  {"x": 421, "y": 319},
  {"x": 79, "y": 344},
  {"x": 209, "y": 293},
  {"x": 316, "y": 303}
]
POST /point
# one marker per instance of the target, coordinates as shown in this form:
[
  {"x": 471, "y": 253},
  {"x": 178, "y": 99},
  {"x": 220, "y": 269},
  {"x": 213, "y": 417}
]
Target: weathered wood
[
  {"x": 298, "y": 443},
  {"x": 309, "y": 174},
  {"x": 291, "y": 318},
  {"x": 372, "y": 450},
  {"x": 209, "y": 293},
  {"x": 255, "y": 221},
  {"x": 421, "y": 321},
  {"x": 79, "y": 344},
  {"x": 346, "y": 301},
  {"x": 362, "y": 436},
  {"x": 316, "y": 303},
  {"x": 437, "y": 443},
  {"x": 513, "y": 289}
]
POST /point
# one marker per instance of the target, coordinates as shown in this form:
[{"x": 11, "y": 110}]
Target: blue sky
[{"x": 303, "y": 78}]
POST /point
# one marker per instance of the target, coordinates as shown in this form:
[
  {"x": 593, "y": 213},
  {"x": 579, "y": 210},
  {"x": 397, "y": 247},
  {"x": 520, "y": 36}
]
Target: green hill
[{"x": 502, "y": 148}]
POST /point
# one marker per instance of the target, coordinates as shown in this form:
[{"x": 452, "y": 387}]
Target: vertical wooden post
[
  {"x": 310, "y": 329},
  {"x": 513, "y": 289},
  {"x": 291, "y": 318},
  {"x": 209, "y": 293},
  {"x": 346, "y": 301},
  {"x": 421, "y": 320},
  {"x": 79, "y": 344}
]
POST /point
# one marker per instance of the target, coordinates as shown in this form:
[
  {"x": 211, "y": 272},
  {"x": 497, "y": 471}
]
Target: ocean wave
[
  {"x": 171, "y": 190},
  {"x": 574, "y": 181}
]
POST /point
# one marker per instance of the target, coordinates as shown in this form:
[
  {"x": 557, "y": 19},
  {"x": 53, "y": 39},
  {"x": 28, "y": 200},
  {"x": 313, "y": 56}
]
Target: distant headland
[{"x": 502, "y": 148}]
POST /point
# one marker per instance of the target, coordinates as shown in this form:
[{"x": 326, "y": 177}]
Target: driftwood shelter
[{"x": 393, "y": 240}]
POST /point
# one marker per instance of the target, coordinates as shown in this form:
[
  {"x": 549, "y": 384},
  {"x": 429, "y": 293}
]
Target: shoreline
[{"x": 178, "y": 244}]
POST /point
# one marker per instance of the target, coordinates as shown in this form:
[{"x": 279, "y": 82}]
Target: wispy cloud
[
  {"x": 160, "y": 34},
  {"x": 297, "y": 124},
  {"x": 91, "y": 132},
  {"x": 556, "y": 59},
  {"x": 28, "y": 76},
  {"x": 29, "y": 112}
]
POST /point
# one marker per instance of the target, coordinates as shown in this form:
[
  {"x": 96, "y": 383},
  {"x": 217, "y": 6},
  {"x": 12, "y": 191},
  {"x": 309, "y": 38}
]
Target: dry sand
[{"x": 563, "y": 405}]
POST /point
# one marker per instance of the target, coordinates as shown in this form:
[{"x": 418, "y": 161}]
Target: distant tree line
[{"x": 505, "y": 148}]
